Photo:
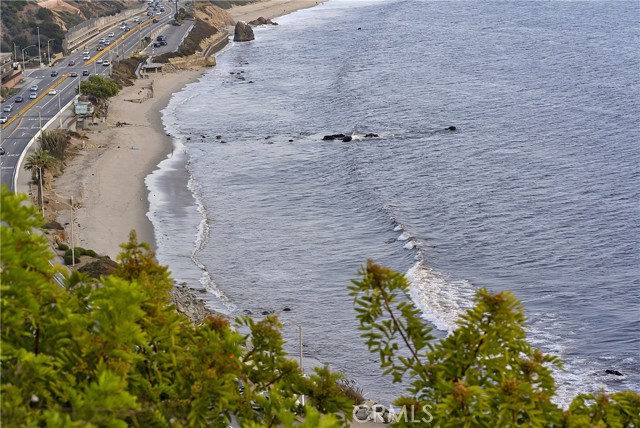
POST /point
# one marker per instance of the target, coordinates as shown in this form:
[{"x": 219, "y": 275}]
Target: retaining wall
[{"x": 77, "y": 36}]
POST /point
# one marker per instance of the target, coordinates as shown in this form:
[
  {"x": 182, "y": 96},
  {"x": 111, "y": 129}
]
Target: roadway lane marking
[{"x": 35, "y": 101}]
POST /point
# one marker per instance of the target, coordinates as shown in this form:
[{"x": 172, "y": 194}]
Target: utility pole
[
  {"x": 59, "y": 110},
  {"x": 73, "y": 245},
  {"x": 49, "y": 51},
  {"x": 39, "y": 50},
  {"x": 300, "y": 334}
]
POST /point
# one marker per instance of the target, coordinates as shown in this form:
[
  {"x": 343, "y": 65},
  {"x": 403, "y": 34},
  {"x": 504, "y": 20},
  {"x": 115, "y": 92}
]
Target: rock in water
[
  {"x": 613, "y": 372},
  {"x": 262, "y": 21},
  {"x": 243, "y": 32}
]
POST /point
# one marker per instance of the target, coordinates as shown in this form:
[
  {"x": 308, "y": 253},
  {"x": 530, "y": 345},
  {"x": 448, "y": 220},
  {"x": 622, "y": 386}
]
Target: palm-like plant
[{"x": 38, "y": 162}]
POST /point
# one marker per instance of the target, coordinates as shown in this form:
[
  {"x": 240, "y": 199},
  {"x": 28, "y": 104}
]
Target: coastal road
[{"x": 56, "y": 86}]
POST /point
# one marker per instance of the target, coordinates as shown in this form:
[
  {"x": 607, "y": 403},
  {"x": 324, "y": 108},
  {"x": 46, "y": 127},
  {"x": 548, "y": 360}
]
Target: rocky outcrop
[
  {"x": 188, "y": 304},
  {"x": 371, "y": 411},
  {"x": 213, "y": 15},
  {"x": 262, "y": 21},
  {"x": 243, "y": 32}
]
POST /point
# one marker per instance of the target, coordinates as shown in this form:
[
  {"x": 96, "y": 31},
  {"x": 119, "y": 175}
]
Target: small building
[{"x": 83, "y": 108}]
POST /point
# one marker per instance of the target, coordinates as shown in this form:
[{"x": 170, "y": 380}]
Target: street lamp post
[
  {"x": 73, "y": 245},
  {"x": 60, "y": 109},
  {"x": 39, "y": 50},
  {"x": 49, "y": 51},
  {"x": 30, "y": 46}
]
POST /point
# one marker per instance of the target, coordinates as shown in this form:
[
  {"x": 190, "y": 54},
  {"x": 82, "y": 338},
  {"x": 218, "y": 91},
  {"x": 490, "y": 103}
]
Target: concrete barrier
[{"x": 81, "y": 33}]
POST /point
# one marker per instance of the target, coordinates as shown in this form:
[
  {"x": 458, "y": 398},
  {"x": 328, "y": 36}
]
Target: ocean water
[{"x": 536, "y": 191}]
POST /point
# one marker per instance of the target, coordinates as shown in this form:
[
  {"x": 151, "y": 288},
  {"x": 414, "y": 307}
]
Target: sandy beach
[{"x": 106, "y": 179}]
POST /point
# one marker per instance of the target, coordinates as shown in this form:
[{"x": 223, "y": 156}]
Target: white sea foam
[
  {"x": 440, "y": 299},
  {"x": 404, "y": 236},
  {"x": 398, "y": 228},
  {"x": 410, "y": 245},
  {"x": 202, "y": 237}
]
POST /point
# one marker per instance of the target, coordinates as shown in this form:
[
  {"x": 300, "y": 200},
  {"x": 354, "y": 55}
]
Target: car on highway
[
  {"x": 106, "y": 63},
  {"x": 53, "y": 92},
  {"x": 99, "y": 48},
  {"x": 99, "y": 61},
  {"x": 158, "y": 13},
  {"x": 72, "y": 63},
  {"x": 85, "y": 72},
  {"x": 136, "y": 19},
  {"x": 18, "y": 99},
  {"x": 86, "y": 57},
  {"x": 149, "y": 13},
  {"x": 86, "y": 52},
  {"x": 54, "y": 73},
  {"x": 34, "y": 87},
  {"x": 73, "y": 74},
  {"x": 155, "y": 21},
  {"x": 107, "y": 42},
  {"x": 2, "y": 151},
  {"x": 4, "y": 119},
  {"x": 111, "y": 34},
  {"x": 7, "y": 108},
  {"x": 33, "y": 95}
]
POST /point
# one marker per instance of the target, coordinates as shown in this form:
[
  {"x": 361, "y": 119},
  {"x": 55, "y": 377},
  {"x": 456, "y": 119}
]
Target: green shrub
[
  {"x": 63, "y": 247},
  {"x": 78, "y": 251},
  {"x": 68, "y": 260},
  {"x": 90, "y": 253}
]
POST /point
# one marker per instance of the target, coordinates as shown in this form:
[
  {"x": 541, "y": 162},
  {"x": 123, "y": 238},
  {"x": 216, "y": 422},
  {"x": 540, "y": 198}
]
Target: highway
[{"x": 57, "y": 85}]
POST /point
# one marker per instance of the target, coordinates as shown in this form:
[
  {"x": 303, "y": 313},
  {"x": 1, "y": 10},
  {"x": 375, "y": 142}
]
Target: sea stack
[{"x": 243, "y": 32}]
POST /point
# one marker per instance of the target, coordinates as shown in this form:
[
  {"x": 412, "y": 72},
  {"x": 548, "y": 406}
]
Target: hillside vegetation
[{"x": 21, "y": 19}]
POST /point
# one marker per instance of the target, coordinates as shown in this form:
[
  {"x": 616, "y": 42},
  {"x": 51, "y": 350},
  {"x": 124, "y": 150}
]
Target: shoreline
[{"x": 109, "y": 203}]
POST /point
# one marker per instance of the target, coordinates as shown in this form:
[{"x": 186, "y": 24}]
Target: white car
[
  {"x": 53, "y": 92},
  {"x": 33, "y": 95},
  {"x": 4, "y": 119},
  {"x": 106, "y": 63},
  {"x": 86, "y": 53},
  {"x": 99, "y": 61},
  {"x": 111, "y": 34},
  {"x": 86, "y": 57},
  {"x": 136, "y": 19},
  {"x": 34, "y": 87}
]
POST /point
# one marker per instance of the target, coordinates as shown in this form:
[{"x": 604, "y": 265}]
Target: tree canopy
[
  {"x": 115, "y": 353},
  {"x": 99, "y": 87}
]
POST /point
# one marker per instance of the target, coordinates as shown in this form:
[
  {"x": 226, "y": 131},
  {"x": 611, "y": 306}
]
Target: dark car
[
  {"x": 163, "y": 43},
  {"x": 161, "y": 38},
  {"x": 155, "y": 21},
  {"x": 19, "y": 99},
  {"x": 85, "y": 72},
  {"x": 2, "y": 152},
  {"x": 73, "y": 74},
  {"x": 72, "y": 63},
  {"x": 54, "y": 73}
]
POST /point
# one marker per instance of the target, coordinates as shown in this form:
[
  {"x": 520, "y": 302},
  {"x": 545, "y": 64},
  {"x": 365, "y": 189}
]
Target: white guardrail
[{"x": 33, "y": 140}]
